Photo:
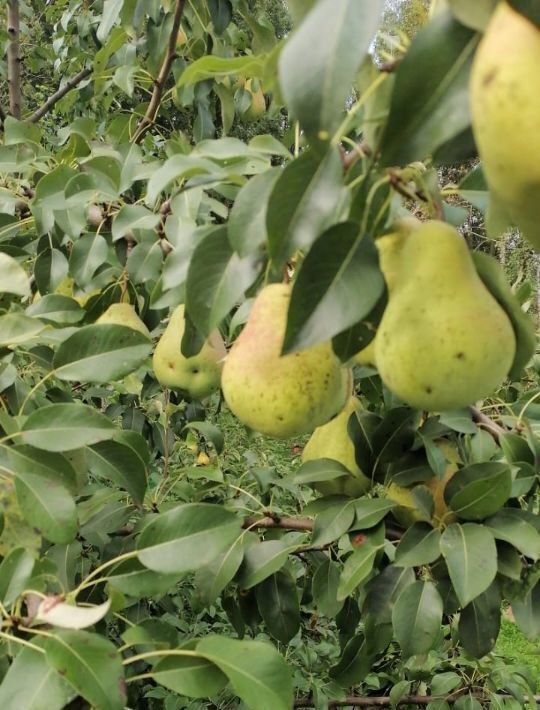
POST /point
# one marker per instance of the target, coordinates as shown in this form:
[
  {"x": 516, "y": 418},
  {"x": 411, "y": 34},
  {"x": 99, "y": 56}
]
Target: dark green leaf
[
  {"x": 430, "y": 101},
  {"x": 471, "y": 557},
  {"x": 277, "y": 599},
  {"x": 325, "y": 586},
  {"x": 418, "y": 546},
  {"x": 186, "y": 537},
  {"x": 480, "y": 490},
  {"x": 479, "y": 622},
  {"x": 257, "y": 672},
  {"x": 62, "y": 427},
  {"x": 262, "y": 560},
  {"x": 512, "y": 526},
  {"x": 417, "y": 617},
  {"x": 338, "y": 285},
  {"x": 193, "y": 676}
]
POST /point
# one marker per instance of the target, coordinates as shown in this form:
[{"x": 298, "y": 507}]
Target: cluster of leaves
[{"x": 127, "y": 576}]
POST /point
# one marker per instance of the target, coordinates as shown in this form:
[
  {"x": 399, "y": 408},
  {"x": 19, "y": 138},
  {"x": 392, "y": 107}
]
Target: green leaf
[
  {"x": 383, "y": 590},
  {"x": 32, "y": 684},
  {"x": 257, "y": 672},
  {"x": 333, "y": 522},
  {"x": 15, "y": 572},
  {"x": 319, "y": 470},
  {"x": 88, "y": 254},
  {"x": 13, "y": 278},
  {"x": 62, "y": 427},
  {"x": 418, "y": 546},
  {"x": 221, "y": 14},
  {"x": 527, "y": 613},
  {"x": 480, "y": 490},
  {"x": 262, "y": 560},
  {"x": 325, "y": 299},
  {"x": 101, "y": 353},
  {"x": 417, "y": 617},
  {"x": 193, "y": 676},
  {"x": 131, "y": 217},
  {"x": 111, "y": 13},
  {"x": 277, "y": 600},
  {"x": 179, "y": 167},
  {"x": 217, "y": 279},
  {"x": 16, "y": 328},
  {"x": 316, "y": 77},
  {"x": 56, "y": 309},
  {"x": 324, "y": 588},
  {"x": 144, "y": 262},
  {"x": 356, "y": 568},
  {"x": 43, "y": 499},
  {"x": 211, "y": 66},
  {"x": 135, "y": 580},
  {"x": 512, "y": 526},
  {"x": 247, "y": 221},
  {"x": 480, "y": 621},
  {"x": 303, "y": 202},
  {"x": 430, "y": 101},
  {"x": 370, "y": 511},
  {"x": 115, "y": 462},
  {"x": 186, "y": 537},
  {"x": 91, "y": 664},
  {"x": 471, "y": 556},
  {"x": 210, "y": 432},
  {"x": 212, "y": 579},
  {"x": 361, "y": 428},
  {"x": 459, "y": 420}
]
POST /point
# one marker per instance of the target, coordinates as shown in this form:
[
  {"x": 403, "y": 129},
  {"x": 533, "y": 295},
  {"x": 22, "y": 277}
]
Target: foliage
[{"x": 153, "y": 552}]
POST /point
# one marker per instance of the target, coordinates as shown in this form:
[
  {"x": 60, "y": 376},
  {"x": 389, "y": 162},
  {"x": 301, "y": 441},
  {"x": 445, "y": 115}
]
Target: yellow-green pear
[
  {"x": 443, "y": 341},
  {"x": 389, "y": 247},
  {"x": 199, "y": 375},
  {"x": 258, "y": 102},
  {"x": 408, "y": 513},
  {"x": 281, "y": 395},
  {"x": 123, "y": 314},
  {"x": 332, "y": 441},
  {"x": 505, "y": 104}
]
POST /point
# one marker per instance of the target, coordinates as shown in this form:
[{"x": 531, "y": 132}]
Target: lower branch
[
  {"x": 159, "y": 86},
  {"x": 384, "y": 701},
  {"x": 62, "y": 91},
  {"x": 487, "y": 423}
]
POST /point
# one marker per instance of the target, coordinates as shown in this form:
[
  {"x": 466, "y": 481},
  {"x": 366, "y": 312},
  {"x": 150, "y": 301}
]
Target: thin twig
[
  {"x": 62, "y": 91},
  {"x": 487, "y": 423},
  {"x": 159, "y": 86},
  {"x": 14, "y": 59},
  {"x": 303, "y": 524}
]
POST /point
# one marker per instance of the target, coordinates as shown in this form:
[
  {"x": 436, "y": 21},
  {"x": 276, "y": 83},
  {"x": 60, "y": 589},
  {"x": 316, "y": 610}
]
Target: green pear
[
  {"x": 389, "y": 247},
  {"x": 123, "y": 314},
  {"x": 199, "y": 375},
  {"x": 505, "y": 105},
  {"x": 332, "y": 441},
  {"x": 281, "y": 395},
  {"x": 444, "y": 341}
]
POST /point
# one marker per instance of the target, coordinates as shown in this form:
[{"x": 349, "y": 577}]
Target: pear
[
  {"x": 332, "y": 441},
  {"x": 408, "y": 512},
  {"x": 505, "y": 104},
  {"x": 258, "y": 102},
  {"x": 281, "y": 395},
  {"x": 199, "y": 375},
  {"x": 389, "y": 247},
  {"x": 123, "y": 314},
  {"x": 443, "y": 341}
]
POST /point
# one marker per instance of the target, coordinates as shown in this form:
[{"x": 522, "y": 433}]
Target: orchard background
[{"x": 155, "y": 552}]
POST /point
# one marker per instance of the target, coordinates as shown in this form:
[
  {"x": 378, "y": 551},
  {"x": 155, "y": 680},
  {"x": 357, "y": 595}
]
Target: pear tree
[{"x": 269, "y": 420}]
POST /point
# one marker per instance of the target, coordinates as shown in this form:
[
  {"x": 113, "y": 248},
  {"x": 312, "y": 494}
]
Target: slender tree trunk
[{"x": 13, "y": 59}]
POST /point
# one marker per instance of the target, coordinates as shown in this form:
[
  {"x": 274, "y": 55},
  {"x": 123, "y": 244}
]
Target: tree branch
[
  {"x": 13, "y": 59},
  {"x": 384, "y": 701},
  {"x": 62, "y": 91},
  {"x": 159, "y": 86},
  {"x": 302, "y": 524},
  {"x": 487, "y": 423}
]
